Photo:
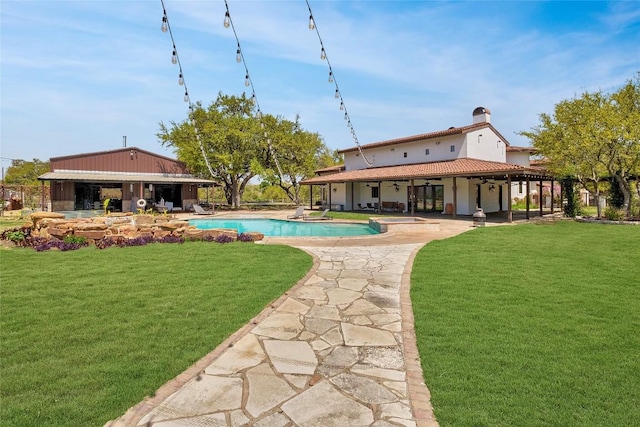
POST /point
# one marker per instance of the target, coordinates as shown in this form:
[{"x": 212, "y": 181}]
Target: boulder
[
  {"x": 90, "y": 234},
  {"x": 255, "y": 235}
]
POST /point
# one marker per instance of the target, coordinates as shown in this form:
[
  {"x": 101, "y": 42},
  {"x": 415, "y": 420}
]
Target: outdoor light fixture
[
  {"x": 131, "y": 153},
  {"x": 479, "y": 136},
  {"x": 150, "y": 187},
  {"x": 492, "y": 188},
  {"x": 131, "y": 188},
  {"x": 335, "y": 189}
]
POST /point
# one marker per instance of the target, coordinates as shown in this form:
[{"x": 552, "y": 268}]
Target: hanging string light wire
[
  {"x": 228, "y": 22},
  {"x": 338, "y": 93},
  {"x": 175, "y": 59}
]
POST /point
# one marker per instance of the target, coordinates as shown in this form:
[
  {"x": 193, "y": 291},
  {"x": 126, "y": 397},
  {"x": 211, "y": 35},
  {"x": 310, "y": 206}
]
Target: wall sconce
[
  {"x": 150, "y": 187},
  {"x": 334, "y": 189},
  {"x": 131, "y": 188},
  {"x": 131, "y": 153},
  {"x": 492, "y": 188},
  {"x": 479, "y": 136}
]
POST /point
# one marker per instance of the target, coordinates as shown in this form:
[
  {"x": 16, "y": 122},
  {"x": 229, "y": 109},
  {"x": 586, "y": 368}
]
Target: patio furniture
[
  {"x": 299, "y": 213},
  {"x": 322, "y": 216},
  {"x": 199, "y": 210}
]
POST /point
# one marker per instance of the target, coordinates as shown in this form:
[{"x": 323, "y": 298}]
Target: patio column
[
  {"x": 540, "y": 198},
  {"x": 379, "y": 196},
  {"x": 311, "y": 197},
  {"x": 509, "y": 211},
  {"x": 352, "y": 200},
  {"x": 552, "y": 196},
  {"x": 455, "y": 198},
  {"x": 528, "y": 196},
  {"x": 412, "y": 198}
]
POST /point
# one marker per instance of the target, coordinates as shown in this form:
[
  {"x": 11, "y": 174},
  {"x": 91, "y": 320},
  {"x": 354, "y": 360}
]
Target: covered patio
[{"x": 458, "y": 188}]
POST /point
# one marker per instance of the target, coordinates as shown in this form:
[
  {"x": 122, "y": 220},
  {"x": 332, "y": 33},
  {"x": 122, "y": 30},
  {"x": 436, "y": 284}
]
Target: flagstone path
[{"x": 337, "y": 350}]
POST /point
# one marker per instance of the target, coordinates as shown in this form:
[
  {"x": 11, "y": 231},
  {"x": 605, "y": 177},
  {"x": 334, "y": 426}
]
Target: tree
[
  {"x": 233, "y": 145},
  {"x": 23, "y": 175},
  {"x": 229, "y": 146},
  {"x": 594, "y": 138},
  {"x": 297, "y": 154},
  {"x": 22, "y": 172}
]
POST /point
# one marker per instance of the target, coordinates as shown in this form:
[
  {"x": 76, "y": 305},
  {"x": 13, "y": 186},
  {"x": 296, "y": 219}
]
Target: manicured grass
[
  {"x": 87, "y": 334},
  {"x": 531, "y": 325}
]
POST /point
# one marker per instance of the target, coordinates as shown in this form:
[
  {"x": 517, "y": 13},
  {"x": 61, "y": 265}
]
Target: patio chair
[
  {"x": 322, "y": 216},
  {"x": 369, "y": 206},
  {"x": 199, "y": 210},
  {"x": 299, "y": 213}
]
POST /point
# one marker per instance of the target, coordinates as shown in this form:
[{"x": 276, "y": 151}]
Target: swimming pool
[{"x": 280, "y": 228}]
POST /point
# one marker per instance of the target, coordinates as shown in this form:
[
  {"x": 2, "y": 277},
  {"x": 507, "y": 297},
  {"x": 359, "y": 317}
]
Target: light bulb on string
[
  {"x": 323, "y": 54},
  {"x": 330, "y": 76},
  {"x": 165, "y": 25},
  {"x": 247, "y": 82},
  {"x": 312, "y": 24},
  {"x": 346, "y": 116},
  {"x": 341, "y": 106},
  {"x": 238, "y": 55},
  {"x": 227, "y": 19},
  {"x": 180, "y": 80},
  {"x": 337, "y": 94},
  {"x": 174, "y": 57},
  {"x": 186, "y": 96}
]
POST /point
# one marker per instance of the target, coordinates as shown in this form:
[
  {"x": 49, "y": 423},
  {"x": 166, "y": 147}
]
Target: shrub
[
  {"x": 80, "y": 240},
  {"x": 245, "y": 237},
  {"x": 614, "y": 214},
  {"x": 224, "y": 238},
  {"x": 17, "y": 235}
]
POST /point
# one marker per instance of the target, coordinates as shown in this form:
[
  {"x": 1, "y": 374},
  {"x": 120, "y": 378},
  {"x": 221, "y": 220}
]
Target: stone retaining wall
[{"x": 122, "y": 225}]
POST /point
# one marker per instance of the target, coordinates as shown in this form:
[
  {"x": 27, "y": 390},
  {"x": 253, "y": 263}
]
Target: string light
[
  {"x": 176, "y": 60},
  {"x": 228, "y": 22},
  {"x": 338, "y": 94}
]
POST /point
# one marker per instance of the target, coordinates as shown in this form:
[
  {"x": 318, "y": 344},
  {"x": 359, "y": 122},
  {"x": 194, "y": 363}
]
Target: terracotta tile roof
[
  {"x": 430, "y": 135},
  {"x": 458, "y": 167},
  {"x": 336, "y": 168},
  {"x": 522, "y": 149}
]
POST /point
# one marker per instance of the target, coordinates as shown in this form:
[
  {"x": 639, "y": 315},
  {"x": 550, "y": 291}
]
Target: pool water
[{"x": 280, "y": 228}]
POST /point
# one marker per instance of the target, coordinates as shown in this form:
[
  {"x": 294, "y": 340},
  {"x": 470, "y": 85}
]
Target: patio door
[{"x": 428, "y": 198}]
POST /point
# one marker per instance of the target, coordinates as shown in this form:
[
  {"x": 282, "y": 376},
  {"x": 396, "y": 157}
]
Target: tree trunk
[{"x": 625, "y": 189}]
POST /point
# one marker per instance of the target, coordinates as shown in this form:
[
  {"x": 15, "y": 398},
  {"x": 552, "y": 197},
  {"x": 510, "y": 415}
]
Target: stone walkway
[{"x": 336, "y": 350}]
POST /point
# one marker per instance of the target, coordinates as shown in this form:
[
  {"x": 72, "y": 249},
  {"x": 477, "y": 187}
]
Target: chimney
[{"x": 481, "y": 115}]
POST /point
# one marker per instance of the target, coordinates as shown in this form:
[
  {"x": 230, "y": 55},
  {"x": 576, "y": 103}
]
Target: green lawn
[
  {"x": 531, "y": 325},
  {"x": 86, "y": 334}
]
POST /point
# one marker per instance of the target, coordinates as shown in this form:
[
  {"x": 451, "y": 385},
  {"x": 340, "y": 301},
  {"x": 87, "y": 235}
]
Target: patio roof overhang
[
  {"x": 469, "y": 168},
  {"x": 86, "y": 176}
]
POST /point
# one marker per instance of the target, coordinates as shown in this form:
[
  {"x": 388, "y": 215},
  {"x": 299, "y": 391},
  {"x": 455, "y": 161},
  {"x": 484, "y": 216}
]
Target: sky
[{"x": 78, "y": 76}]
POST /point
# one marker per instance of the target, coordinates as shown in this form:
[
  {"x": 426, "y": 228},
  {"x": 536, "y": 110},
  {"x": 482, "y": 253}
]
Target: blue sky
[{"x": 76, "y": 76}]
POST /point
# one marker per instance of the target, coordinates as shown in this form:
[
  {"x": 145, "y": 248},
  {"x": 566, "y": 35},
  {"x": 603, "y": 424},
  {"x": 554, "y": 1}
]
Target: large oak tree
[
  {"x": 594, "y": 138},
  {"x": 232, "y": 143}
]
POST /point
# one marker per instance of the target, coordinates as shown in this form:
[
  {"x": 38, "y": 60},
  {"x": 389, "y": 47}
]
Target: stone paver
[{"x": 337, "y": 350}]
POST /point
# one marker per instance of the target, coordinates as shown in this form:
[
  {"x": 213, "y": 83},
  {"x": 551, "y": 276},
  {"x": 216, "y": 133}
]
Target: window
[
  {"x": 405, "y": 154},
  {"x": 374, "y": 192},
  {"x": 426, "y": 152},
  {"x": 452, "y": 148}
]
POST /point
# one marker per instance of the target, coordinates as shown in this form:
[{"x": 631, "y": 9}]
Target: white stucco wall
[
  {"x": 485, "y": 145},
  {"x": 518, "y": 158}
]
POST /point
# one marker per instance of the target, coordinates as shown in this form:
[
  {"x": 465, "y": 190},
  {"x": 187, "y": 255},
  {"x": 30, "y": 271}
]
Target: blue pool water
[{"x": 279, "y": 228}]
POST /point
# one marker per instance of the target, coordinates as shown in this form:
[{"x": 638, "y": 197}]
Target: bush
[
  {"x": 245, "y": 237},
  {"x": 614, "y": 214},
  {"x": 224, "y": 238}
]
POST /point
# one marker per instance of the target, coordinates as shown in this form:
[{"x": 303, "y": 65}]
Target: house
[
  {"x": 131, "y": 178},
  {"x": 454, "y": 171}
]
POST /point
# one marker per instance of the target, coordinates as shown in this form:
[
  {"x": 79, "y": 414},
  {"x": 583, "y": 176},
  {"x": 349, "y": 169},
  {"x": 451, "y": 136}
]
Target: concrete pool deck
[{"x": 338, "y": 349}]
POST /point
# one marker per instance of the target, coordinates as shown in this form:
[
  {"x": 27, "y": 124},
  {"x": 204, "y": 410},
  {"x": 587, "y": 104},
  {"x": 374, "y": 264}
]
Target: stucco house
[
  {"x": 131, "y": 178},
  {"x": 454, "y": 171}
]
